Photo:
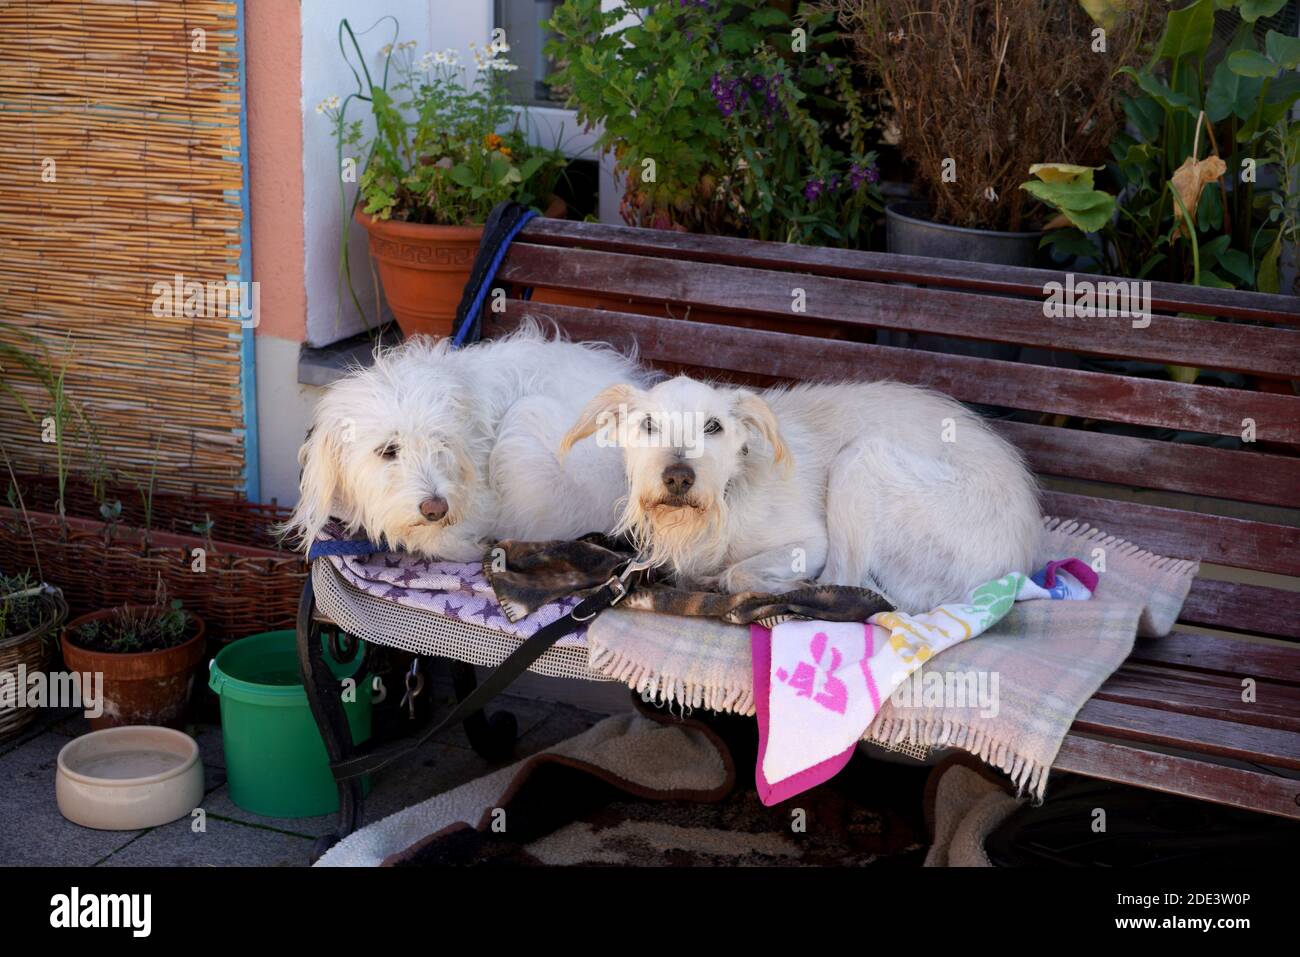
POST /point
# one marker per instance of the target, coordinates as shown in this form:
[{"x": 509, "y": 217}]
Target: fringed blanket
[{"x": 1050, "y": 658}]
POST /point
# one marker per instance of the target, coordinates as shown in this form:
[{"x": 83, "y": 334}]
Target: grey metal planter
[{"x": 909, "y": 232}]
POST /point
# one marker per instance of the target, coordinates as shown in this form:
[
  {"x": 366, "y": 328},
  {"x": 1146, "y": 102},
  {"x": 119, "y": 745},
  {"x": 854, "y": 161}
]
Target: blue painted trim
[{"x": 248, "y": 350}]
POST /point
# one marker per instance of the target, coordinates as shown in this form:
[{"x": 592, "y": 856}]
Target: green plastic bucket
[{"x": 276, "y": 763}]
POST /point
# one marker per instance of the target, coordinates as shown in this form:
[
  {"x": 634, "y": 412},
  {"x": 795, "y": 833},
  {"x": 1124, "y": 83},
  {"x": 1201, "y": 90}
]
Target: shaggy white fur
[
  {"x": 439, "y": 451},
  {"x": 877, "y": 484}
]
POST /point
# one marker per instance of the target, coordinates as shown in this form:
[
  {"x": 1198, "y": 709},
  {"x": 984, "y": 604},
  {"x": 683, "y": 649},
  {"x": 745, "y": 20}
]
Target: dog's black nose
[
  {"x": 434, "y": 508},
  {"x": 678, "y": 479}
]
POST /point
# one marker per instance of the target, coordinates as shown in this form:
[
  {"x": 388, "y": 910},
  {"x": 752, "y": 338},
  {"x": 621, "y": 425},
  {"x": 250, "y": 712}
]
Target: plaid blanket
[{"x": 1050, "y": 658}]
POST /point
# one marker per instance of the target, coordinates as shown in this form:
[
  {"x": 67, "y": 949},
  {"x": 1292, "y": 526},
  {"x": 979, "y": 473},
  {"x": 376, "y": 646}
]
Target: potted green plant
[
  {"x": 445, "y": 150},
  {"x": 147, "y": 655},
  {"x": 1201, "y": 186},
  {"x": 978, "y": 89},
  {"x": 725, "y": 117},
  {"x": 30, "y": 615},
  {"x": 1206, "y": 167}
]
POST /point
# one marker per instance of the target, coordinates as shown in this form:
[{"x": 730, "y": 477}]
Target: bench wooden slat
[
  {"x": 1176, "y": 774},
  {"x": 1150, "y": 463},
  {"x": 1177, "y": 533},
  {"x": 1173, "y": 405},
  {"x": 1239, "y": 606},
  {"x": 1207, "y": 695},
  {"x": 1230, "y": 656},
  {"x": 888, "y": 267},
  {"x": 1191, "y": 342},
  {"x": 1174, "y": 729}
]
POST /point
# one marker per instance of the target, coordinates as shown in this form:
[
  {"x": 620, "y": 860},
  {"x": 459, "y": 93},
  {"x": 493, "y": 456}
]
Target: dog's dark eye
[
  {"x": 649, "y": 425},
  {"x": 388, "y": 451},
  {"x": 712, "y": 427}
]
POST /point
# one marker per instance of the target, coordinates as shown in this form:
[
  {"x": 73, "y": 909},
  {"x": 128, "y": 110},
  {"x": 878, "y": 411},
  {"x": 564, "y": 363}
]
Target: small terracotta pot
[
  {"x": 147, "y": 687},
  {"x": 423, "y": 270}
]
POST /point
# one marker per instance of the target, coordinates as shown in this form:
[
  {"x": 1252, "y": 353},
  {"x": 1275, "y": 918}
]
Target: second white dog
[{"x": 876, "y": 484}]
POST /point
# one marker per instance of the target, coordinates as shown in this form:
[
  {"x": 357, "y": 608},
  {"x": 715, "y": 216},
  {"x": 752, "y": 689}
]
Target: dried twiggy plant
[{"x": 994, "y": 86}]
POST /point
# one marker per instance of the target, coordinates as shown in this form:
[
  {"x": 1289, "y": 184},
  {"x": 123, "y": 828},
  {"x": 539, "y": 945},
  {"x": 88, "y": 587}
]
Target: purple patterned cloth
[{"x": 456, "y": 590}]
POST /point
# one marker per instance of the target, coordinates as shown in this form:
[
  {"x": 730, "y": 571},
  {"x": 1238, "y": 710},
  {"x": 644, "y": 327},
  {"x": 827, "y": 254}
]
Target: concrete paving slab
[
  {"x": 221, "y": 844},
  {"x": 32, "y": 831}
]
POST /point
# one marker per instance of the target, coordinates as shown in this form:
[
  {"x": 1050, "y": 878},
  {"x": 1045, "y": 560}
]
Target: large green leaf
[
  {"x": 1268, "y": 274},
  {"x": 1230, "y": 92},
  {"x": 1282, "y": 50},
  {"x": 1251, "y": 63},
  {"x": 1187, "y": 31},
  {"x": 1238, "y": 263},
  {"x": 1211, "y": 251},
  {"x": 1146, "y": 116},
  {"x": 1252, "y": 10},
  {"x": 1086, "y": 208},
  {"x": 1158, "y": 90}
]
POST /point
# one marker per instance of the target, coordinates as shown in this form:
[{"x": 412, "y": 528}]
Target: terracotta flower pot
[
  {"x": 423, "y": 270},
  {"x": 147, "y": 687}
]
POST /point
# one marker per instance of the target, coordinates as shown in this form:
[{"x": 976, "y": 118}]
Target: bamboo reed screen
[{"x": 120, "y": 145}]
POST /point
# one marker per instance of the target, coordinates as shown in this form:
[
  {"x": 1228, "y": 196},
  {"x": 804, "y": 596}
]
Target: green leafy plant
[
  {"x": 446, "y": 147},
  {"x": 719, "y": 121},
  {"x": 1202, "y": 186},
  {"x": 22, "y": 604},
  {"x": 134, "y": 628}
]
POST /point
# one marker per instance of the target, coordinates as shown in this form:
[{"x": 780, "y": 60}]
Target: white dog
[
  {"x": 865, "y": 484},
  {"x": 437, "y": 451}
]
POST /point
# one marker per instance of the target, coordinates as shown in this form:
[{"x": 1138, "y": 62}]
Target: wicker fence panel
[
  {"x": 120, "y": 141},
  {"x": 236, "y": 595}
]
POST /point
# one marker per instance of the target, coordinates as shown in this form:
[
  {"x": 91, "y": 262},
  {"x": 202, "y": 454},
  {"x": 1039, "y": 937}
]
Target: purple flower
[
  {"x": 862, "y": 174},
  {"x": 813, "y": 189},
  {"x": 729, "y": 94}
]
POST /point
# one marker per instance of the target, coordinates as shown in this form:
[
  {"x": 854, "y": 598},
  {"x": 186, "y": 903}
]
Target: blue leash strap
[
  {"x": 469, "y": 316},
  {"x": 350, "y": 548}
]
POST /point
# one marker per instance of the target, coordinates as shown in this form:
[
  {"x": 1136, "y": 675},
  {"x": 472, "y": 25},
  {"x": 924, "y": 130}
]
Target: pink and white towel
[{"x": 819, "y": 684}]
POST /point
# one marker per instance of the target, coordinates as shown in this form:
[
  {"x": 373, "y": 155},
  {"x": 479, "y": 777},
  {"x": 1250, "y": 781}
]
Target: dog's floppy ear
[
  {"x": 756, "y": 414},
  {"x": 320, "y": 482},
  {"x": 606, "y": 408}
]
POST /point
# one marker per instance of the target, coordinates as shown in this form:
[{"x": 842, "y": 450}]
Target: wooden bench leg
[{"x": 327, "y": 708}]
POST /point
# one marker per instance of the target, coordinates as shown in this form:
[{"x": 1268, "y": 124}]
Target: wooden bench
[{"x": 1172, "y": 718}]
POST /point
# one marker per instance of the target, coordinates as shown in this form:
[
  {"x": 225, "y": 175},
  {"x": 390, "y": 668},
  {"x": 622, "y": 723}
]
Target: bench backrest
[{"x": 726, "y": 308}]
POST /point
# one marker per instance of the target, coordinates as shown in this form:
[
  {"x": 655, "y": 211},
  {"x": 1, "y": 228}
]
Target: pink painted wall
[{"x": 274, "y": 50}]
